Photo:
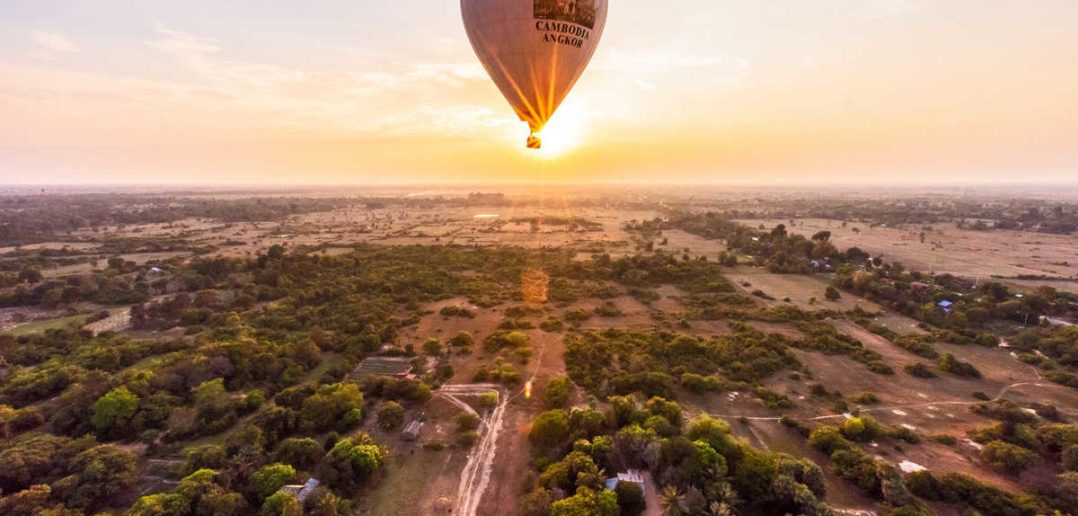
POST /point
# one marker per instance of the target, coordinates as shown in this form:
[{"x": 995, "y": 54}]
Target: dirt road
[{"x": 476, "y": 475}]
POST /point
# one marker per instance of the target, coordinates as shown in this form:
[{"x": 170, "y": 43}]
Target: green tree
[
  {"x": 550, "y": 429},
  {"x": 282, "y": 504},
  {"x": 1007, "y": 457},
  {"x": 832, "y": 294},
  {"x": 322, "y": 502},
  {"x": 300, "y": 453},
  {"x": 390, "y": 415},
  {"x": 432, "y": 347},
  {"x": 333, "y": 406},
  {"x": 101, "y": 472},
  {"x": 536, "y": 503},
  {"x": 587, "y": 502},
  {"x": 269, "y": 479},
  {"x": 673, "y": 502},
  {"x": 557, "y": 392},
  {"x": 114, "y": 410},
  {"x": 351, "y": 462}
]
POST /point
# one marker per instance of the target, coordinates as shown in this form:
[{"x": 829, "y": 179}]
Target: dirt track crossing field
[{"x": 476, "y": 474}]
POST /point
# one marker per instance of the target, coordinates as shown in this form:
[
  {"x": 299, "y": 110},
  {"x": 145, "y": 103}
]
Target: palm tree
[
  {"x": 672, "y": 501},
  {"x": 720, "y": 509}
]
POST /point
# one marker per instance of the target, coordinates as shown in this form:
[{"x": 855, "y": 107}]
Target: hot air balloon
[{"x": 534, "y": 50}]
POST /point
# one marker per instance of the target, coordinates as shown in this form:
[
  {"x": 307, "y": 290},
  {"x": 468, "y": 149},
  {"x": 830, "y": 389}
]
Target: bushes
[
  {"x": 1007, "y": 457},
  {"x": 832, "y": 294},
  {"x": 332, "y": 406},
  {"x": 352, "y": 462},
  {"x": 957, "y": 367},
  {"x": 861, "y": 428},
  {"x": 849, "y": 462},
  {"x": 919, "y": 370},
  {"x": 499, "y": 340},
  {"x": 456, "y": 311},
  {"x": 700, "y": 384},
  {"x": 557, "y": 392},
  {"x": 550, "y": 429},
  {"x": 390, "y": 415},
  {"x": 497, "y": 372},
  {"x": 866, "y": 398},
  {"x": 300, "y": 453},
  {"x": 269, "y": 479},
  {"x": 958, "y": 488}
]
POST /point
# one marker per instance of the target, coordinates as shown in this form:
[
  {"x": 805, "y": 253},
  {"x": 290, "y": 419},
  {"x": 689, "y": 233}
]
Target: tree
[
  {"x": 101, "y": 472},
  {"x": 31, "y": 276},
  {"x": 351, "y": 462},
  {"x": 672, "y": 501},
  {"x": 536, "y": 503},
  {"x": 557, "y": 392},
  {"x": 832, "y": 294},
  {"x": 630, "y": 498},
  {"x": 7, "y": 416},
  {"x": 282, "y": 504},
  {"x": 333, "y": 406},
  {"x": 466, "y": 422},
  {"x": 550, "y": 429},
  {"x": 27, "y": 502},
  {"x": 463, "y": 340},
  {"x": 322, "y": 502},
  {"x": 390, "y": 415},
  {"x": 1007, "y": 457},
  {"x": 300, "y": 453},
  {"x": 113, "y": 411},
  {"x": 586, "y": 502},
  {"x": 432, "y": 347},
  {"x": 270, "y": 479}
]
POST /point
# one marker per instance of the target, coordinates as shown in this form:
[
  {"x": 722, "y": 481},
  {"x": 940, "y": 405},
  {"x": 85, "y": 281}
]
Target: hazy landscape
[{"x": 749, "y": 350}]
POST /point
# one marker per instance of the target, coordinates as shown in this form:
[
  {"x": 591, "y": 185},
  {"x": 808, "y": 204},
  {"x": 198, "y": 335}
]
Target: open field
[
  {"x": 949, "y": 249},
  {"x": 804, "y": 292}
]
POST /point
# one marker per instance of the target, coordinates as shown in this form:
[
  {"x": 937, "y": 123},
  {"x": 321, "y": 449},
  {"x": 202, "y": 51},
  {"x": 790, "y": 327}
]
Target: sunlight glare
[{"x": 563, "y": 133}]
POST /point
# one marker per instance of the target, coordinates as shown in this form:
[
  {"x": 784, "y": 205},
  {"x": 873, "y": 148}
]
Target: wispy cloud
[{"x": 50, "y": 43}]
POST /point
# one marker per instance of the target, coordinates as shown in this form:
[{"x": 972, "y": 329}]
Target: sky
[{"x": 390, "y": 92}]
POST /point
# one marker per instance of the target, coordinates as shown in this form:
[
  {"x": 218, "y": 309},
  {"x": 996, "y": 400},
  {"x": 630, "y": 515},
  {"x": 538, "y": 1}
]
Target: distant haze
[{"x": 692, "y": 91}]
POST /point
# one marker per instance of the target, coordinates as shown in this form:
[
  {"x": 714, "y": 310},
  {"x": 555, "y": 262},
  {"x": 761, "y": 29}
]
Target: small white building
[{"x": 632, "y": 475}]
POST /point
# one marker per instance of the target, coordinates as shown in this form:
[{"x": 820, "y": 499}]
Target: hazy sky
[{"x": 355, "y": 91}]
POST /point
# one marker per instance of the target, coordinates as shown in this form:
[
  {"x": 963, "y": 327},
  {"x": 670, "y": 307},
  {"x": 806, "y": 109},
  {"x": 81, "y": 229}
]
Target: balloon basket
[{"x": 534, "y": 142}]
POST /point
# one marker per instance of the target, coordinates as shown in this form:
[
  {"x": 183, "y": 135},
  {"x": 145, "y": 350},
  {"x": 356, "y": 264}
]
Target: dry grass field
[
  {"x": 800, "y": 289},
  {"x": 949, "y": 249}
]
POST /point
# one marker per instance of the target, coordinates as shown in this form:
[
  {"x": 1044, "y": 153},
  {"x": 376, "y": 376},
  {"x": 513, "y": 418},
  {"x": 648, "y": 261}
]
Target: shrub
[
  {"x": 957, "y": 367},
  {"x": 390, "y": 415},
  {"x": 1007, "y": 457},
  {"x": 831, "y": 293},
  {"x": 466, "y": 421},
  {"x": 866, "y": 398},
  {"x": 550, "y": 429},
  {"x": 557, "y": 392},
  {"x": 920, "y": 371}
]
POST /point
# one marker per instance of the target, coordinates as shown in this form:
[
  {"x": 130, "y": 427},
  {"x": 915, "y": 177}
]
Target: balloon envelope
[{"x": 534, "y": 50}]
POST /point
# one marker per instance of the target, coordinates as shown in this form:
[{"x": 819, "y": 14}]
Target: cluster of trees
[
  {"x": 619, "y": 362},
  {"x": 44, "y": 471},
  {"x": 700, "y": 466},
  {"x": 34, "y": 218}
]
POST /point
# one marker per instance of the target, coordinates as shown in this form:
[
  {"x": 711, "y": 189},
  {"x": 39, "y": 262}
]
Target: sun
[{"x": 563, "y": 134}]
